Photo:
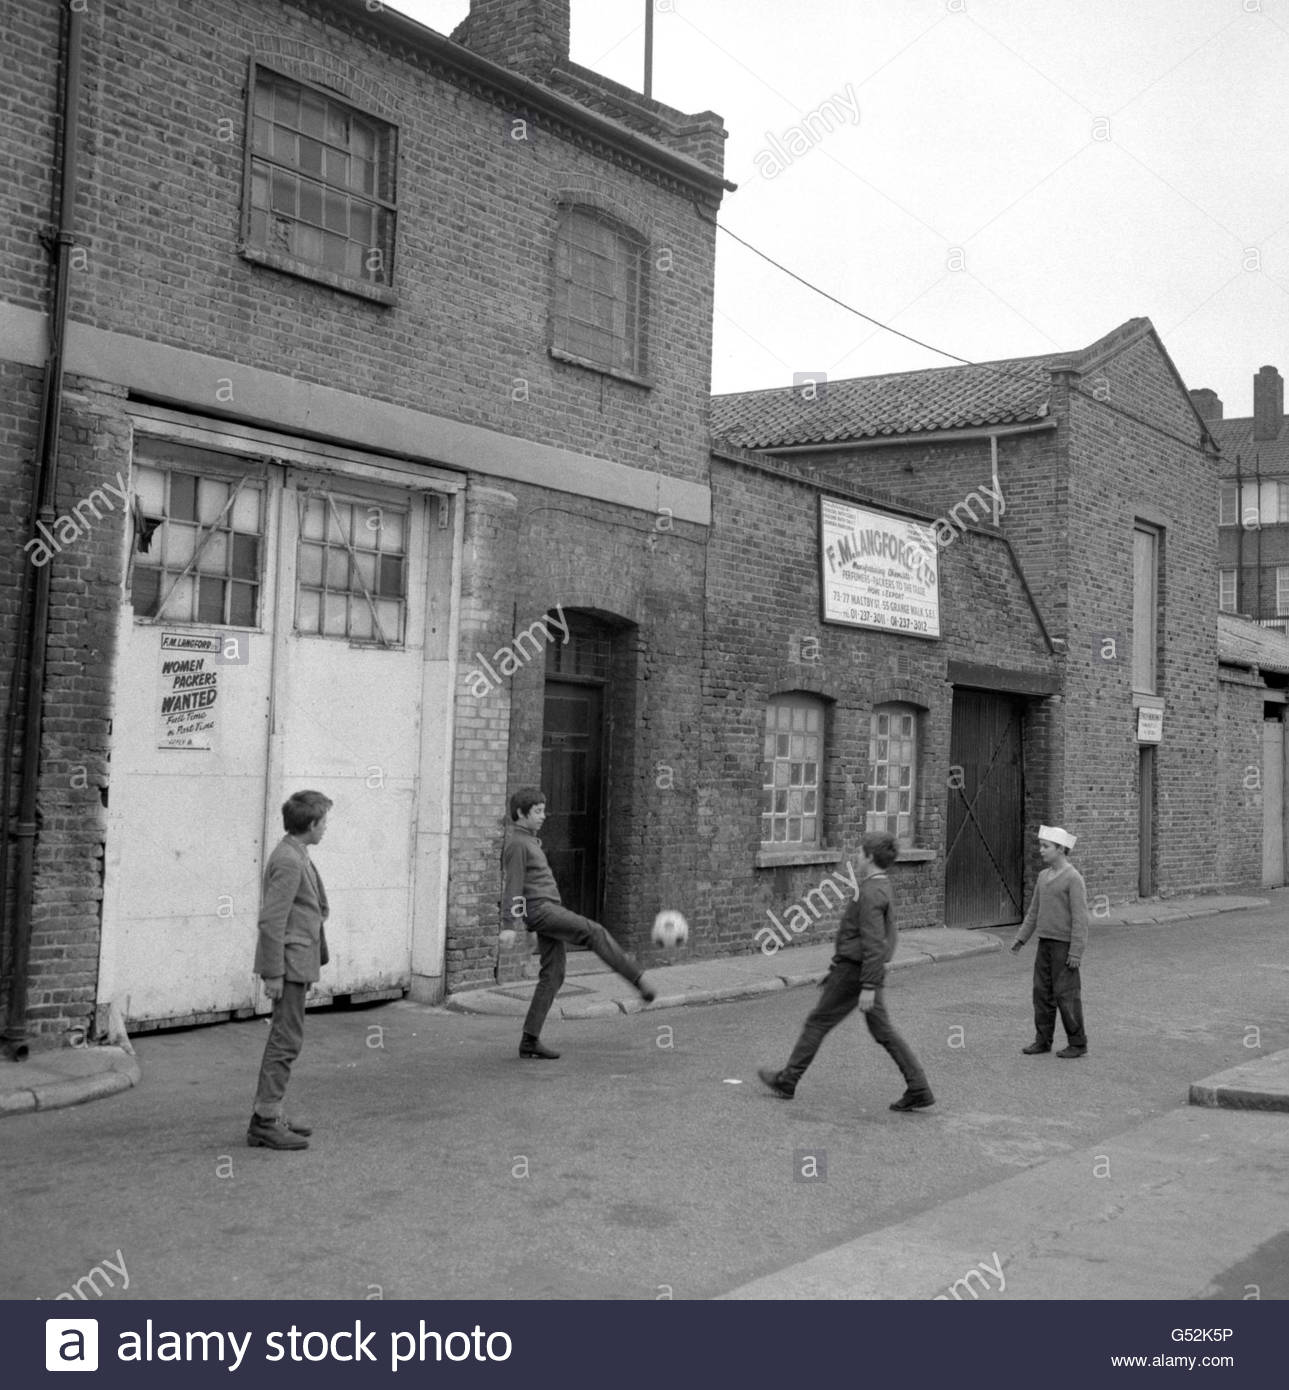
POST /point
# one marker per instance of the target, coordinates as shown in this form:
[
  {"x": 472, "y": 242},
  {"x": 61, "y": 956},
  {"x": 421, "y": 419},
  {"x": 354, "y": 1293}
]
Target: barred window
[
  {"x": 352, "y": 570},
  {"x": 198, "y": 547},
  {"x": 1227, "y": 504},
  {"x": 791, "y": 814},
  {"x": 892, "y": 763},
  {"x": 598, "y": 315},
  {"x": 321, "y": 181}
]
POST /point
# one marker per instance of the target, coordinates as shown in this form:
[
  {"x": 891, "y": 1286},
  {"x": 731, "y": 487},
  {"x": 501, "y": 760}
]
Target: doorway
[{"x": 984, "y": 856}]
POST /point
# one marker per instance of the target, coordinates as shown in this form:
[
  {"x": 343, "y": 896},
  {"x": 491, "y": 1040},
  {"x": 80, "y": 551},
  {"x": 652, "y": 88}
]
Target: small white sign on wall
[
  {"x": 1150, "y": 725},
  {"x": 188, "y": 689}
]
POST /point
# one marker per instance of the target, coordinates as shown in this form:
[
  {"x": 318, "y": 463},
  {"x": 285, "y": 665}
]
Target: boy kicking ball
[{"x": 865, "y": 942}]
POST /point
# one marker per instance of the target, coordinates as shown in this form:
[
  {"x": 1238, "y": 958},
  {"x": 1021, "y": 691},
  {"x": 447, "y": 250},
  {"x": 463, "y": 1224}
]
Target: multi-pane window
[
  {"x": 1282, "y": 591},
  {"x": 202, "y": 562},
  {"x": 1226, "y": 596},
  {"x": 791, "y": 813},
  {"x": 351, "y": 580},
  {"x": 1227, "y": 504},
  {"x": 598, "y": 314},
  {"x": 892, "y": 764},
  {"x": 1263, "y": 502},
  {"x": 321, "y": 181}
]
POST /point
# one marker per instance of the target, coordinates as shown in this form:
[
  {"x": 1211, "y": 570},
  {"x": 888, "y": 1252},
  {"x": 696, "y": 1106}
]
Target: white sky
[{"x": 1082, "y": 161}]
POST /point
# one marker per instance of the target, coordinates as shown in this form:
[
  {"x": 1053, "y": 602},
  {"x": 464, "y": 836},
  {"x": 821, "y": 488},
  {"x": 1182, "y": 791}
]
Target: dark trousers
[
  {"x": 554, "y": 926},
  {"x": 286, "y": 1037},
  {"x": 840, "y": 997},
  {"x": 1056, "y": 986}
]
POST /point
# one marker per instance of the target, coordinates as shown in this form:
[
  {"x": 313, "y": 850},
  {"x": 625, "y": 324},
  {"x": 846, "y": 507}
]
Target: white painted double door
[{"x": 313, "y": 590}]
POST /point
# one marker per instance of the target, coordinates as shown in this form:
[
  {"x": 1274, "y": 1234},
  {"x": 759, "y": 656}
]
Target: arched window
[
  {"x": 892, "y": 771},
  {"x": 792, "y": 783}
]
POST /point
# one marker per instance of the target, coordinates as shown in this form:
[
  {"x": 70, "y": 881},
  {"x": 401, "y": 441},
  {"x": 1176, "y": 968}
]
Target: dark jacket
[
  {"x": 291, "y": 943},
  {"x": 867, "y": 934},
  {"x": 525, "y": 876}
]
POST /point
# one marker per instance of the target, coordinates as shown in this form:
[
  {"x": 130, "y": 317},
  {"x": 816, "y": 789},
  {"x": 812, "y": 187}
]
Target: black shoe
[
  {"x": 646, "y": 990},
  {"x": 914, "y": 1100},
  {"x": 1068, "y": 1052},
  {"x": 273, "y": 1134},
  {"x": 771, "y": 1079},
  {"x": 531, "y": 1047},
  {"x": 1035, "y": 1048}
]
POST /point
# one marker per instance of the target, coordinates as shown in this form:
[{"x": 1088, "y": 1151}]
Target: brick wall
[
  {"x": 159, "y": 217},
  {"x": 638, "y": 573},
  {"x": 1124, "y": 448},
  {"x": 764, "y": 637}
]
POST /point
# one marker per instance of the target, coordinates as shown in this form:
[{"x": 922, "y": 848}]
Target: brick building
[
  {"x": 1253, "y": 505},
  {"x": 1084, "y": 483},
  {"x": 379, "y": 364}
]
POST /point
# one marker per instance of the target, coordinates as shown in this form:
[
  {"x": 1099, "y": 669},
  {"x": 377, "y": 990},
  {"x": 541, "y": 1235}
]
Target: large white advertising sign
[{"x": 877, "y": 570}]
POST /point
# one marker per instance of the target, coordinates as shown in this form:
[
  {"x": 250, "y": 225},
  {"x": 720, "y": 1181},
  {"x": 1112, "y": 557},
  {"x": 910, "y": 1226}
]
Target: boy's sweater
[
  {"x": 867, "y": 934},
  {"x": 525, "y": 876},
  {"x": 1059, "y": 909}
]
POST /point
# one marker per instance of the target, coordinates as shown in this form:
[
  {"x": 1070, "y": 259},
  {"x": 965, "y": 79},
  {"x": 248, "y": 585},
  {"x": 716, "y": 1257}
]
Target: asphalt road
[{"x": 647, "y": 1163}]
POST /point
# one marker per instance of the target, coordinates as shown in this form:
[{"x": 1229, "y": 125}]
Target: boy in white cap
[{"x": 1059, "y": 909}]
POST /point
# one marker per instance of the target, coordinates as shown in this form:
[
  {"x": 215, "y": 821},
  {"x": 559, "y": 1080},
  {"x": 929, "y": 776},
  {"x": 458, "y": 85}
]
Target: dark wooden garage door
[{"x": 984, "y": 859}]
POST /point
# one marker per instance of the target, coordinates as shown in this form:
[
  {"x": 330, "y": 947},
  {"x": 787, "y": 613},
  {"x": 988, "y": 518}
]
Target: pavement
[{"x": 52, "y": 1079}]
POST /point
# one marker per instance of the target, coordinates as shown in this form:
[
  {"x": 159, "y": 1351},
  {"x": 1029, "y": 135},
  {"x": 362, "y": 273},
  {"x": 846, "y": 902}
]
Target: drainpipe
[
  {"x": 34, "y": 620},
  {"x": 993, "y": 464}
]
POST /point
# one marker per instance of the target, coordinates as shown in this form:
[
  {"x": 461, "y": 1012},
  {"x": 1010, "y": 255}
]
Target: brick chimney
[
  {"x": 1207, "y": 402},
  {"x": 1268, "y": 404},
  {"x": 526, "y": 36}
]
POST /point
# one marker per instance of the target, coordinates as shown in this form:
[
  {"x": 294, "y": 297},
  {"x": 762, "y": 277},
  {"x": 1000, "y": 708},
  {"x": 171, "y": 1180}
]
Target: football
[{"x": 670, "y": 929}]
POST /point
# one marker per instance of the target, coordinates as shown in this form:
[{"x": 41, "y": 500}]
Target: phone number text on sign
[{"x": 876, "y": 570}]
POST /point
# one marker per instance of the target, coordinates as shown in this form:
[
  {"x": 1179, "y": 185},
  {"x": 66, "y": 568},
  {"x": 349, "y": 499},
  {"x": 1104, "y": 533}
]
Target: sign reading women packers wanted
[
  {"x": 877, "y": 570},
  {"x": 188, "y": 690}
]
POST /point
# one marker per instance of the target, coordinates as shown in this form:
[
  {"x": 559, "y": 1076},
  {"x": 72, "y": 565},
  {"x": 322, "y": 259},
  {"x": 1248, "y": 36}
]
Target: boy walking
[
  {"x": 865, "y": 942},
  {"x": 529, "y": 895},
  {"x": 1059, "y": 910},
  {"x": 291, "y": 950}
]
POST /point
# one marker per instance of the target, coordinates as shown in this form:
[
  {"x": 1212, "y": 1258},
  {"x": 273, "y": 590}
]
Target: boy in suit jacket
[{"x": 291, "y": 950}]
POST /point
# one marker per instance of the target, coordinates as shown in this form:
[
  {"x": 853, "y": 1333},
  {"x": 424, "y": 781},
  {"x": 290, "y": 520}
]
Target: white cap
[{"x": 1057, "y": 836}]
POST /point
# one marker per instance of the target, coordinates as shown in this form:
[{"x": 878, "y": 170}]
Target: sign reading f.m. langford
[
  {"x": 876, "y": 570},
  {"x": 187, "y": 690}
]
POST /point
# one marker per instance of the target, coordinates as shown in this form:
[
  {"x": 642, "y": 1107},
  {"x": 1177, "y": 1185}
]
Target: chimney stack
[
  {"x": 1268, "y": 404},
  {"x": 1207, "y": 402},
  {"x": 527, "y": 36}
]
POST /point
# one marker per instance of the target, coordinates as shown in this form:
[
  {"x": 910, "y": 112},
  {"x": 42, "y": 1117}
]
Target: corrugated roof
[
  {"x": 1009, "y": 392},
  {"x": 1243, "y": 643}
]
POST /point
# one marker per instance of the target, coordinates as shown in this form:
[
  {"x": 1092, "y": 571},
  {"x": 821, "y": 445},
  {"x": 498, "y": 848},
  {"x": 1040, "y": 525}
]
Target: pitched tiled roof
[
  {"x": 1270, "y": 457},
  {"x": 871, "y": 407},
  {"x": 1244, "y": 643}
]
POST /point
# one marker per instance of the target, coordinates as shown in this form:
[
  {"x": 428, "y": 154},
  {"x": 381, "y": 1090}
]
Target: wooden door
[
  {"x": 984, "y": 855},
  {"x": 573, "y": 780},
  {"x": 1273, "y": 804}
]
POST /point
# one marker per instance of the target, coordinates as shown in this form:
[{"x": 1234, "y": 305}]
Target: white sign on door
[{"x": 187, "y": 691}]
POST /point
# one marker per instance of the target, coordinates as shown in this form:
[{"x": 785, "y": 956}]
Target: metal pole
[{"x": 648, "y": 73}]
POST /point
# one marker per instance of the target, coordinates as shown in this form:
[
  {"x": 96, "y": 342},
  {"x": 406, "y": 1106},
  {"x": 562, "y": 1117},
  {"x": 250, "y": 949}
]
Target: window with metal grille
[
  {"x": 892, "y": 771},
  {"x": 598, "y": 314},
  {"x": 791, "y": 813},
  {"x": 321, "y": 181},
  {"x": 201, "y": 563},
  {"x": 351, "y": 575}
]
